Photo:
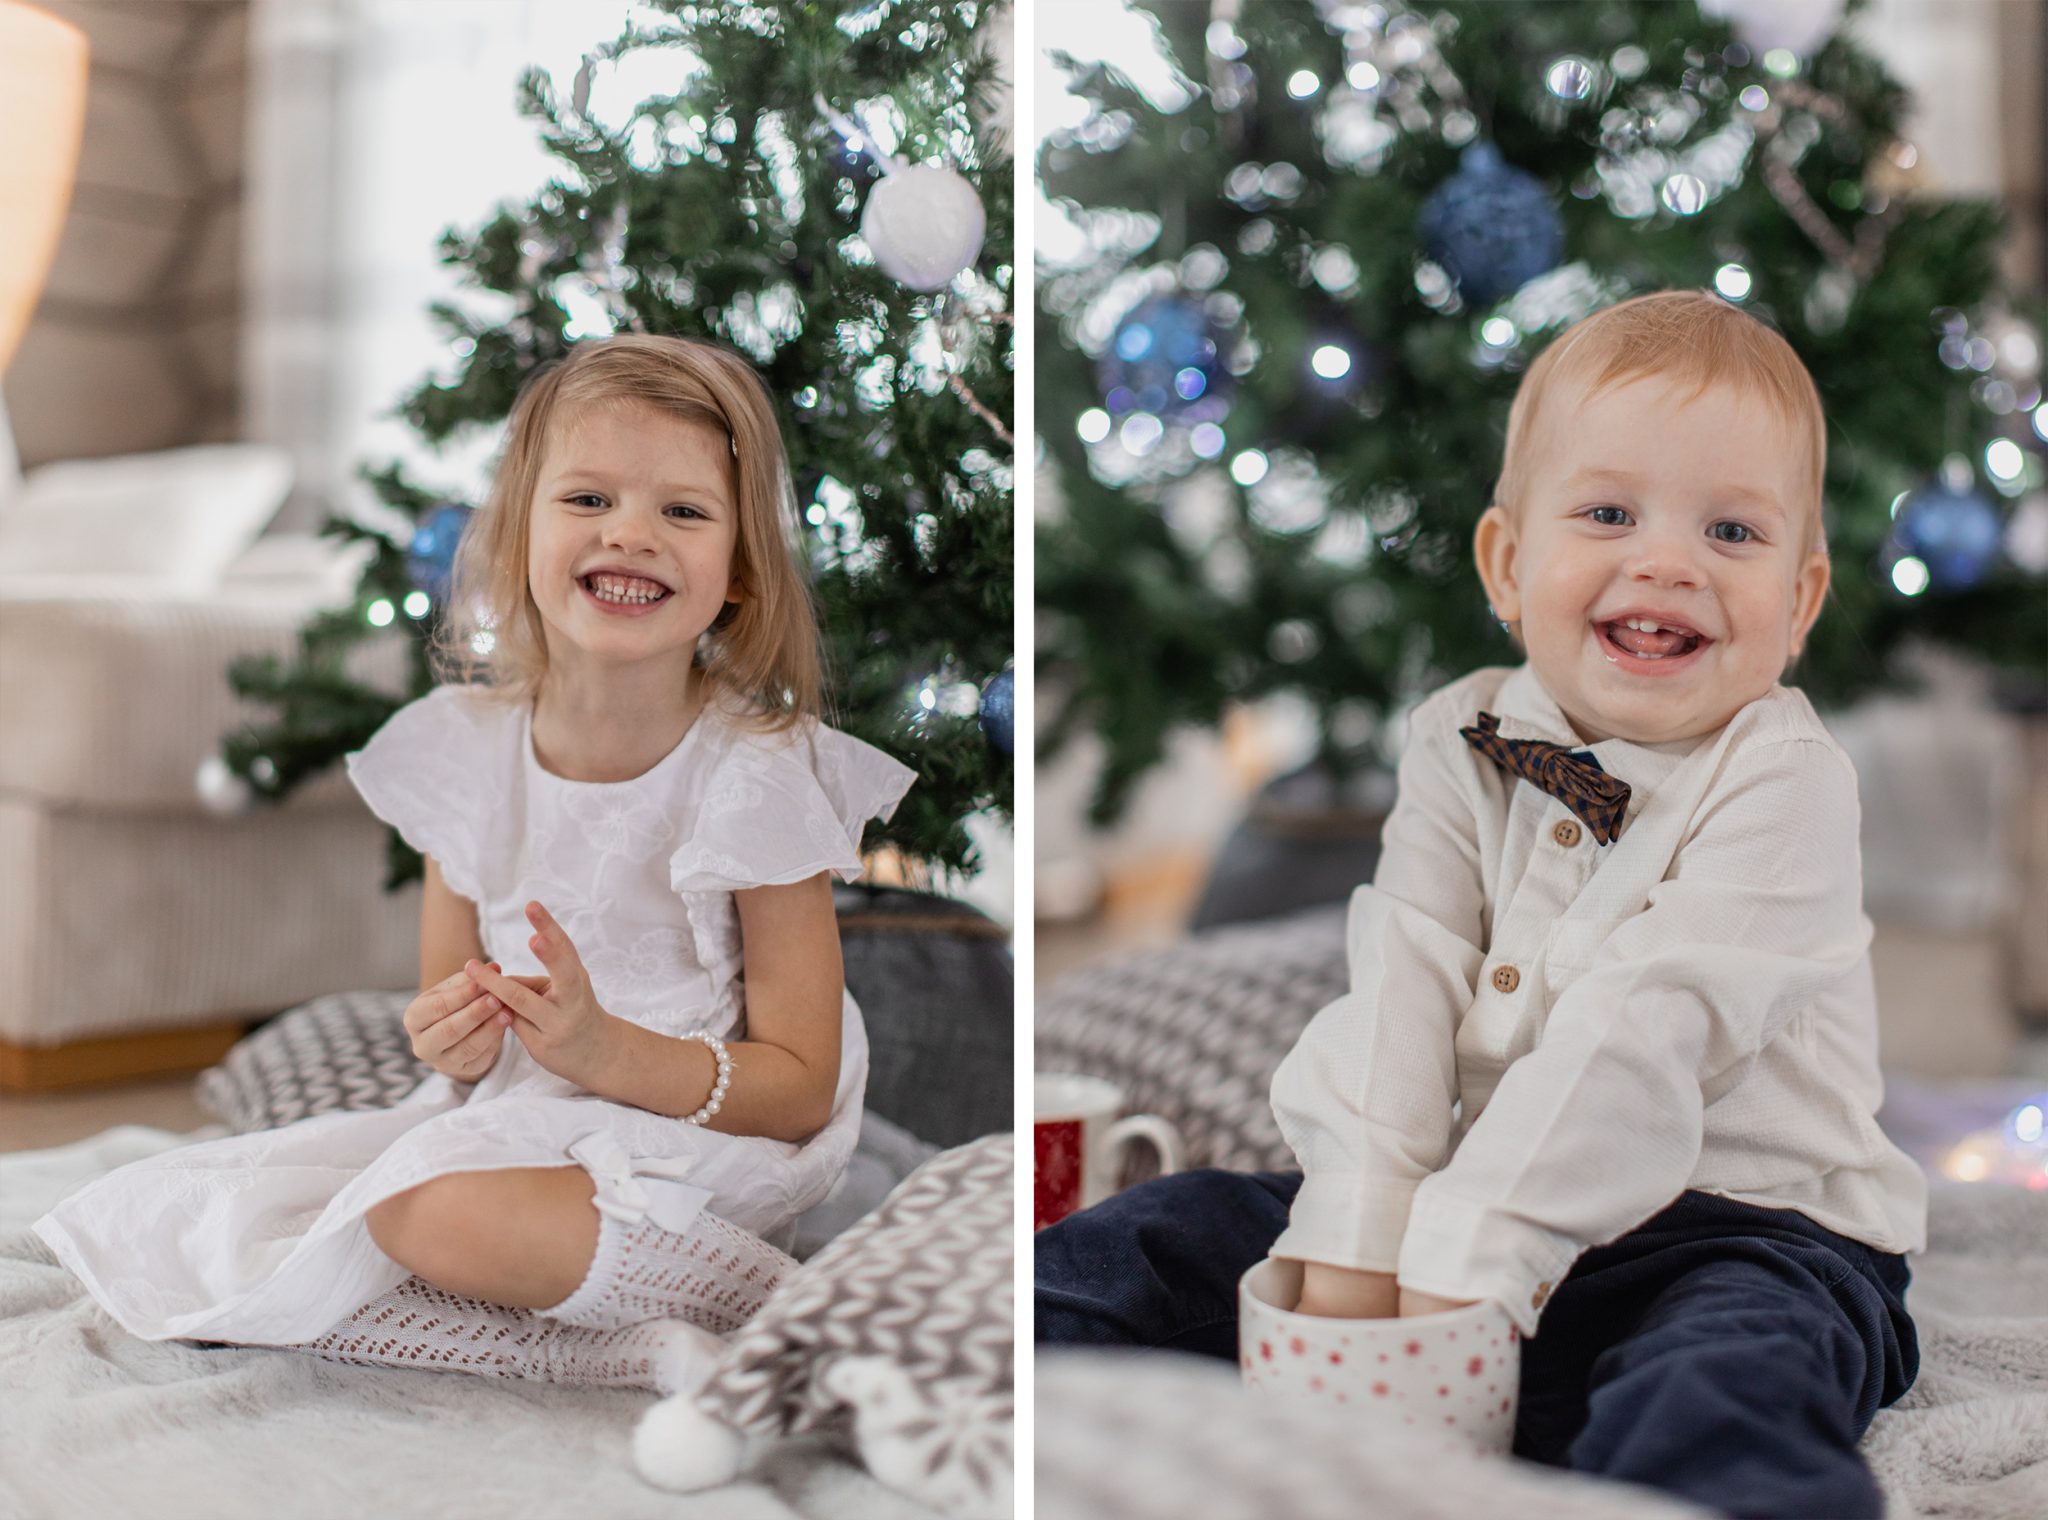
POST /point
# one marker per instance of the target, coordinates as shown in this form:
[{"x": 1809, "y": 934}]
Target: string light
[
  {"x": 2014, "y": 1152},
  {"x": 1141, "y": 432},
  {"x": 2005, "y": 460}
]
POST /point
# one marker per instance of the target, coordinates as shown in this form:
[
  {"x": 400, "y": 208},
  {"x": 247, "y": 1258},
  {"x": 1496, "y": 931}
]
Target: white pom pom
[
  {"x": 221, "y": 791},
  {"x": 924, "y": 225},
  {"x": 679, "y": 1447},
  {"x": 1798, "y": 26}
]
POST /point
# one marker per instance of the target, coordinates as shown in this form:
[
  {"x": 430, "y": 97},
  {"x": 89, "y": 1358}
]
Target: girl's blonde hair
[
  {"x": 1686, "y": 336},
  {"x": 763, "y": 649}
]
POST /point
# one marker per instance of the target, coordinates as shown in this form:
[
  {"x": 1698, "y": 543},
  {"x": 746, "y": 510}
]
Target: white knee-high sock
[
  {"x": 419, "y": 1325},
  {"x": 713, "y": 1274}
]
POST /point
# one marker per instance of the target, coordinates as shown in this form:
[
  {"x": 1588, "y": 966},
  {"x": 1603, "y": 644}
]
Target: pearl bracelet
[{"x": 724, "y": 1081}]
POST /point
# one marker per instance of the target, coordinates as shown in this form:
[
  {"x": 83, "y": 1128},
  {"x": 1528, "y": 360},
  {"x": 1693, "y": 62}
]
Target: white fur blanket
[
  {"x": 95, "y": 1422},
  {"x": 1162, "y": 1437}
]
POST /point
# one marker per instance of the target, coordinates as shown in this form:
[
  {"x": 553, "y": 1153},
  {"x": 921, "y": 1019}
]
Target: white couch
[{"x": 141, "y": 930}]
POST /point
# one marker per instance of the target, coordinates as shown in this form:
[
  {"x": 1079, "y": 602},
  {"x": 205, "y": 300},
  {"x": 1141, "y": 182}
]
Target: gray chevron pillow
[
  {"x": 899, "y": 1336},
  {"x": 348, "y": 1050},
  {"x": 1195, "y": 1031}
]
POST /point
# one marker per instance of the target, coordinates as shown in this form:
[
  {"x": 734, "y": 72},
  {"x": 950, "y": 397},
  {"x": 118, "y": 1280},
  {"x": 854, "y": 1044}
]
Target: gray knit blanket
[
  {"x": 1160, "y": 1436},
  {"x": 95, "y": 1422}
]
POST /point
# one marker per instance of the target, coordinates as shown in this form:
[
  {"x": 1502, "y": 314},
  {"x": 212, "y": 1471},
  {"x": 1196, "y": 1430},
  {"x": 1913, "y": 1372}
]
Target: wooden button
[
  {"x": 1541, "y": 1296},
  {"x": 1506, "y": 978},
  {"x": 1566, "y": 833}
]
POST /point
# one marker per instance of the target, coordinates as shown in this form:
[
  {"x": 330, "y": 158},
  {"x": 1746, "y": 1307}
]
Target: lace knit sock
[
  {"x": 714, "y": 1274},
  {"x": 419, "y": 1325}
]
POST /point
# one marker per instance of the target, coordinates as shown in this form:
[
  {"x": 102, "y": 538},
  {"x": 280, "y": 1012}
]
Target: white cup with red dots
[{"x": 1455, "y": 1374}]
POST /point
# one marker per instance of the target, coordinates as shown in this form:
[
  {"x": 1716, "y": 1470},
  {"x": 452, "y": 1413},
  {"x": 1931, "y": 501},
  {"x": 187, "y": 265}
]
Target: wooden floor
[{"x": 35, "y": 1121}]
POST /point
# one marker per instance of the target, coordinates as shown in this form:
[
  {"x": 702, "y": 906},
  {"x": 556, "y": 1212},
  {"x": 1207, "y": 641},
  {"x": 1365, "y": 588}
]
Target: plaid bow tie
[{"x": 1573, "y": 778}]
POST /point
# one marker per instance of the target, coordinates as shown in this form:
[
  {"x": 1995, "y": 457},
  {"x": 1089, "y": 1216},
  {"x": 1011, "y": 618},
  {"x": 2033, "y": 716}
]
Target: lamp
[{"x": 42, "y": 118}]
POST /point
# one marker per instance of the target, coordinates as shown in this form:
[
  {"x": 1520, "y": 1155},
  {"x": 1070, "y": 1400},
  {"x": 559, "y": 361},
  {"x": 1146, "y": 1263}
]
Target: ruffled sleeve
[
  {"x": 432, "y": 772},
  {"x": 782, "y": 807}
]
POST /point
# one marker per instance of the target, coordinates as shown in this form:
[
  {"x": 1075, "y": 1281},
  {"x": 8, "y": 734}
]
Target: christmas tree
[
  {"x": 1313, "y": 261},
  {"x": 807, "y": 193}
]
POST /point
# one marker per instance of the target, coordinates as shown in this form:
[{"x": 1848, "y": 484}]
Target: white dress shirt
[{"x": 1689, "y": 1007}]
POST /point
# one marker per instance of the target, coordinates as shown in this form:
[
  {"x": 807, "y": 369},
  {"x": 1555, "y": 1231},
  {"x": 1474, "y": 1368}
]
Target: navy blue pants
[{"x": 1728, "y": 1354}]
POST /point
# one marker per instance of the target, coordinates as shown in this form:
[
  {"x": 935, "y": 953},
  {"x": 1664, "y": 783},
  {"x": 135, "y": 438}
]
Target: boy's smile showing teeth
[{"x": 1643, "y": 644}]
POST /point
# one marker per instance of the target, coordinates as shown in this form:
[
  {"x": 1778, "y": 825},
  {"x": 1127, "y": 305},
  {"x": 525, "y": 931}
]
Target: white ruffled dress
[{"x": 260, "y": 1239}]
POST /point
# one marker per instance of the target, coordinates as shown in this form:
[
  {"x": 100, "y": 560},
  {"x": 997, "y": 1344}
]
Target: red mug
[{"x": 1078, "y": 1143}]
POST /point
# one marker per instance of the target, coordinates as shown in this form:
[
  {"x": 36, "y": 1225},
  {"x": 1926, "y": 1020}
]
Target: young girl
[{"x": 646, "y": 1064}]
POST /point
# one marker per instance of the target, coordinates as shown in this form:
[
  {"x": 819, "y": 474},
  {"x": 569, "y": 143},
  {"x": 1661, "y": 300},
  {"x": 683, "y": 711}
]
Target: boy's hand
[
  {"x": 556, "y": 1017},
  {"x": 1346, "y": 1293},
  {"x": 1414, "y": 1303}
]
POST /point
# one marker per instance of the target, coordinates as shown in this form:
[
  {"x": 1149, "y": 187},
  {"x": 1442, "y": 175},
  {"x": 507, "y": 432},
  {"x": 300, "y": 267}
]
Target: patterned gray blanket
[{"x": 1161, "y": 1436}]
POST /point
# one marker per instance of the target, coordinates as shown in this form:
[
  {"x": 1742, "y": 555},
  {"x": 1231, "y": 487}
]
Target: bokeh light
[
  {"x": 1732, "y": 280},
  {"x": 1249, "y": 468},
  {"x": 1331, "y": 361},
  {"x": 1141, "y": 432},
  {"x": 1909, "y": 575}
]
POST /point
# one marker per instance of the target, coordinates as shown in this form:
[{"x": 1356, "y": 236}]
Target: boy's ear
[
  {"x": 1808, "y": 593},
  {"x": 1494, "y": 549}
]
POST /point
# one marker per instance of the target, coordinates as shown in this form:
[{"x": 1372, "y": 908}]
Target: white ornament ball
[
  {"x": 221, "y": 791},
  {"x": 679, "y": 1447},
  {"x": 924, "y": 225},
  {"x": 1799, "y": 26}
]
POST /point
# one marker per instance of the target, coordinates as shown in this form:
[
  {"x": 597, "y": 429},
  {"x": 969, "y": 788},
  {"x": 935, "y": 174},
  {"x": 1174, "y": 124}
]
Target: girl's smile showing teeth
[{"x": 624, "y": 595}]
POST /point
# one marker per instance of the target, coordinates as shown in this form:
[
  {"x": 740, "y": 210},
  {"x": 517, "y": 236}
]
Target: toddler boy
[{"x": 1617, "y": 927}]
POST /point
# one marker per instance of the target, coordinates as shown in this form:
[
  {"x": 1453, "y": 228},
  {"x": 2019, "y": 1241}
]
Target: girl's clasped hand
[
  {"x": 455, "y": 1027},
  {"x": 458, "y": 1025},
  {"x": 557, "y": 1017}
]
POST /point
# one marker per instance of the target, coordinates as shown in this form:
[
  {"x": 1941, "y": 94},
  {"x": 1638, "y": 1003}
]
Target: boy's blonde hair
[
  {"x": 1683, "y": 336},
  {"x": 762, "y": 650}
]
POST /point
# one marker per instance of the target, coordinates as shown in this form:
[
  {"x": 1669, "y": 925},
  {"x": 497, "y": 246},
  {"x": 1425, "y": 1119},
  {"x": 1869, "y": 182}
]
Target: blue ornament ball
[
  {"x": 430, "y": 557},
  {"x": 999, "y": 709},
  {"x": 1493, "y": 227},
  {"x": 1166, "y": 358},
  {"x": 1954, "y": 532}
]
